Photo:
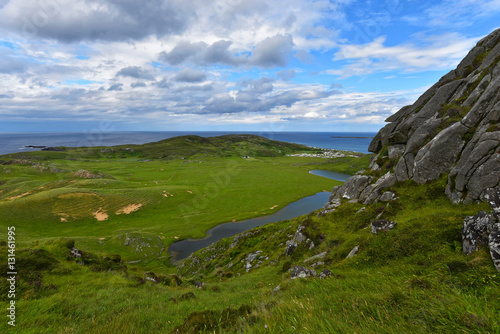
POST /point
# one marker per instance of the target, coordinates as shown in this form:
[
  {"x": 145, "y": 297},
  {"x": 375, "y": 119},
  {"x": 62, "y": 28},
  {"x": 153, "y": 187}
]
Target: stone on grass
[
  {"x": 302, "y": 272},
  {"x": 353, "y": 252},
  {"x": 382, "y": 225}
]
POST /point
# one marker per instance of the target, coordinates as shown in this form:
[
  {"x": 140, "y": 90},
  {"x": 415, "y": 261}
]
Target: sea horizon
[{"x": 15, "y": 142}]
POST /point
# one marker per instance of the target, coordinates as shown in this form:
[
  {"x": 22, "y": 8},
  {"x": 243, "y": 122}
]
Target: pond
[{"x": 182, "y": 249}]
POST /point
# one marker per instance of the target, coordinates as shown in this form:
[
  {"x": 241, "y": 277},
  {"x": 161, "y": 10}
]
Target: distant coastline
[{"x": 25, "y": 142}]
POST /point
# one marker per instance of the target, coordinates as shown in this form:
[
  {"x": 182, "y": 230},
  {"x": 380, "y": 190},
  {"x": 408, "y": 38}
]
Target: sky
[{"x": 226, "y": 65}]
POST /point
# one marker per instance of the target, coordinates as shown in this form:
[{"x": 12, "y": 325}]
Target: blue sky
[{"x": 229, "y": 65}]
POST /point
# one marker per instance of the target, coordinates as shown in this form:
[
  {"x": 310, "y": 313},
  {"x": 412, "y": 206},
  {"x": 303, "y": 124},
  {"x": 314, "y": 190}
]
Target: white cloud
[
  {"x": 436, "y": 53},
  {"x": 187, "y": 61}
]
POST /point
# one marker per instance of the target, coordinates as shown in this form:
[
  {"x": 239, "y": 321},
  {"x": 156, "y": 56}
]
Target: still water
[{"x": 182, "y": 249}]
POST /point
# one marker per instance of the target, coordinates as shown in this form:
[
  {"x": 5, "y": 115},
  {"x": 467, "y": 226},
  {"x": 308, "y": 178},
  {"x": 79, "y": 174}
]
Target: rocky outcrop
[
  {"x": 251, "y": 257},
  {"x": 476, "y": 231},
  {"x": 451, "y": 129},
  {"x": 484, "y": 229},
  {"x": 297, "y": 239}
]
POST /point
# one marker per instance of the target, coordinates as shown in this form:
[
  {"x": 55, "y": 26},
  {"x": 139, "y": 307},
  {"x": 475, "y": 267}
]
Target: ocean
[{"x": 16, "y": 142}]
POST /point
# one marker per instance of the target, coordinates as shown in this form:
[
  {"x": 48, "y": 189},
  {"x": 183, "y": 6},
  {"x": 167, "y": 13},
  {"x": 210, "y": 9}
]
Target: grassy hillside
[
  {"x": 413, "y": 279},
  {"x": 175, "y": 148}
]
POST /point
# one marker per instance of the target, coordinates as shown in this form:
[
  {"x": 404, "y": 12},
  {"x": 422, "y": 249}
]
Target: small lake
[{"x": 182, "y": 249}]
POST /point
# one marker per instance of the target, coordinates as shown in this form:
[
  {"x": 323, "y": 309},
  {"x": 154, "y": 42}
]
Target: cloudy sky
[{"x": 280, "y": 65}]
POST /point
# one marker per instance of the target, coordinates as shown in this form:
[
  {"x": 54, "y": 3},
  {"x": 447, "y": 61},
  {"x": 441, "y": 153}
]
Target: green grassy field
[
  {"x": 413, "y": 279},
  {"x": 52, "y": 194}
]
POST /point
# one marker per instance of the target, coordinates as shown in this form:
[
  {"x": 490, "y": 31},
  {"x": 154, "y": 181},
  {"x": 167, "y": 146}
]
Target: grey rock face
[
  {"x": 452, "y": 128},
  {"x": 396, "y": 151},
  {"x": 353, "y": 186},
  {"x": 302, "y": 272},
  {"x": 475, "y": 232},
  {"x": 387, "y": 196},
  {"x": 477, "y": 168},
  {"x": 440, "y": 154},
  {"x": 404, "y": 167},
  {"x": 382, "y": 225}
]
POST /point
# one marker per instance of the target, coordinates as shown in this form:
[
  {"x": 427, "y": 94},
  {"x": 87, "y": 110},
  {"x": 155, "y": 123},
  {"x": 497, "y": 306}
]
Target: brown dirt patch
[
  {"x": 129, "y": 209},
  {"x": 100, "y": 215},
  {"x": 63, "y": 216},
  {"x": 18, "y": 196}
]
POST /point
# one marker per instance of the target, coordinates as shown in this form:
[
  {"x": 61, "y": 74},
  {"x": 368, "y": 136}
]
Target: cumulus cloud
[
  {"x": 260, "y": 86},
  {"x": 190, "y": 75},
  {"x": 163, "y": 83},
  {"x": 201, "y": 53},
  {"x": 135, "y": 72},
  {"x": 70, "y": 94},
  {"x": 440, "y": 53},
  {"x": 138, "y": 84},
  {"x": 92, "y": 20},
  {"x": 271, "y": 52},
  {"x": 115, "y": 87}
]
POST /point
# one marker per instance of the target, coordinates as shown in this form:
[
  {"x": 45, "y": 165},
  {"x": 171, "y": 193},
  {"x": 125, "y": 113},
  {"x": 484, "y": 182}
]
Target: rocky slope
[{"x": 451, "y": 129}]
